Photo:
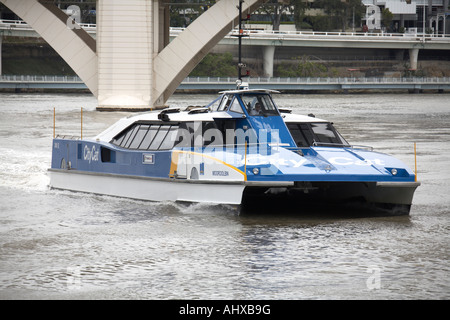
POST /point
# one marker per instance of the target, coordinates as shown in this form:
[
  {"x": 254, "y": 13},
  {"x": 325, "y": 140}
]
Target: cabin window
[
  {"x": 169, "y": 139},
  {"x": 147, "y": 137},
  {"x": 259, "y": 104},
  {"x": 236, "y": 106},
  {"x": 321, "y": 133},
  {"x": 198, "y": 134},
  {"x": 140, "y": 134},
  {"x": 324, "y": 133},
  {"x": 107, "y": 155},
  {"x": 301, "y": 133},
  {"x": 147, "y": 140},
  {"x": 225, "y": 102}
]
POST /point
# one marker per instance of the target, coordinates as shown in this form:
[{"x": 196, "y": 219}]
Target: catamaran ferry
[{"x": 237, "y": 150}]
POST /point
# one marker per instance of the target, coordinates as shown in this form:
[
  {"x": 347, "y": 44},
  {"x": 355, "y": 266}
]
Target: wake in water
[{"x": 26, "y": 170}]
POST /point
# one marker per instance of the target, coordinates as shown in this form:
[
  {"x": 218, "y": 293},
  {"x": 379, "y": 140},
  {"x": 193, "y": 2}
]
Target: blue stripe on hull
[{"x": 316, "y": 164}]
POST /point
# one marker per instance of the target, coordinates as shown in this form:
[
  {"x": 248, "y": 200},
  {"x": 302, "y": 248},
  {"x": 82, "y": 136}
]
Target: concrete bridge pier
[
  {"x": 413, "y": 55},
  {"x": 1, "y": 40},
  {"x": 268, "y": 57},
  {"x": 129, "y": 35}
]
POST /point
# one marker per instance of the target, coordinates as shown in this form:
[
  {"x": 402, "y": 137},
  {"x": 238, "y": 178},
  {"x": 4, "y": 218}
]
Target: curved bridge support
[{"x": 73, "y": 44}]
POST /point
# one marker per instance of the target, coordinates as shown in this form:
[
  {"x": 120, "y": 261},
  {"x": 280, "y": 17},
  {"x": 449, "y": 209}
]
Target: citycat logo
[
  {"x": 90, "y": 154},
  {"x": 344, "y": 161}
]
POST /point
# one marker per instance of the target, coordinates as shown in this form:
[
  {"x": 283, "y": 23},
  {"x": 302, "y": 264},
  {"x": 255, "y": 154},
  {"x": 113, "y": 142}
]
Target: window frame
[
  {"x": 312, "y": 138},
  {"x": 126, "y": 138}
]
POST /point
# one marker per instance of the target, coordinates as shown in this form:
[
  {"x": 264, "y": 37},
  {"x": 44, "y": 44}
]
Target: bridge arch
[
  {"x": 74, "y": 45},
  {"x": 131, "y": 65}
]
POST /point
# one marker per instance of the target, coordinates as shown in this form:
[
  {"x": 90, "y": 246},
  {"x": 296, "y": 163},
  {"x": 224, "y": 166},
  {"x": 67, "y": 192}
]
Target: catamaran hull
[
  {"x": 392, "y": 197},
  {"x": 142, "y": 188}
]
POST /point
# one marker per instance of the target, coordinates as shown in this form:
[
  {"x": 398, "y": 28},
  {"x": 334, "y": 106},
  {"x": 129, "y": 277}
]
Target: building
[{"x": 429, "y": 16}]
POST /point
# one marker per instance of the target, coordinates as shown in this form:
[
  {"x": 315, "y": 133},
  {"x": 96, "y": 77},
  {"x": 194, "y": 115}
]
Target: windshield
[
  {"x": 319, "y": 133},
  {"x": 259, "y": 104}
]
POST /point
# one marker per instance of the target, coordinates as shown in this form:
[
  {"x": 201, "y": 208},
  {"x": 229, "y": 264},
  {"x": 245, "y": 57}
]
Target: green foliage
[
  {"x": 320, "y": 23},
  {"x": 387, "y": 18},
  {"x": 215, "y": 65},
  {"x": 303, "y": 67},
  {"x": 340, "y": 13}
]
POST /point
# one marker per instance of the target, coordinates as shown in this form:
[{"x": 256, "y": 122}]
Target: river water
[{"x": 66, "y": 245}]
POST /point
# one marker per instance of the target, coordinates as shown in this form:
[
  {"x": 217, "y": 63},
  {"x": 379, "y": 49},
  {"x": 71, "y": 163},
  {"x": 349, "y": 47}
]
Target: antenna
[{"x": 240, "y": 36}]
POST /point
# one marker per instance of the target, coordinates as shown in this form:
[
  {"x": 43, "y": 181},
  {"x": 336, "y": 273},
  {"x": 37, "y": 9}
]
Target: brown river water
[{"x": 66, "y": 245}]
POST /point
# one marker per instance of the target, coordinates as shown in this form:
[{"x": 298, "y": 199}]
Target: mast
[{"x": 240, "y": 36}]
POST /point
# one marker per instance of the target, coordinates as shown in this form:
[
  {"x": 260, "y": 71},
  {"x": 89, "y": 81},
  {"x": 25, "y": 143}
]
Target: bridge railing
[
  {"x": 312, "y": 80},
  {"x": 276, "y": 35},
  {"x": 39, "y": 78},
  {"x": 21, "y": 25},
  {"x": 227, "y": 80},
  {"x": 286, "y": 35}
]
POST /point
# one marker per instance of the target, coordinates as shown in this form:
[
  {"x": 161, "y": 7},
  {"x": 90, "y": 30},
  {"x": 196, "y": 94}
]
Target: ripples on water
[{"x": 59, "y": 244}]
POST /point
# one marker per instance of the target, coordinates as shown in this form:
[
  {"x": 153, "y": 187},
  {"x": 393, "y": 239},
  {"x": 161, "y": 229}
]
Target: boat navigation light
[{"x": 394, "y": 171}]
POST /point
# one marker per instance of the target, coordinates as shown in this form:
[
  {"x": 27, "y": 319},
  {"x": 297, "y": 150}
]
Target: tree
[
  {"x": 184, "y": 12},
  {"x": 342, "y": 11},
  {"x": 299, "y": 8},
  {"x": 274, "y": 9},
  {"x": 215, "y": 65},
  {"x": 386, "y": 18}
]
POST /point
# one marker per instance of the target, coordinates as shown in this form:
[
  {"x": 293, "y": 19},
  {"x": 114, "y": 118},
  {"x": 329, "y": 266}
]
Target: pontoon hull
[
  {"x": 395, "y": 198},
  {"x": 142, "y": 188},
  {"x": 391, "y": 198}
]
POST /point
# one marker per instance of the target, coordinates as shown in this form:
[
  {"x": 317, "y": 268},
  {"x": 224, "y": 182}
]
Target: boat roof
[
  {"x": 176, "y": 115},
  {"x": 249, "y": 91},
  {"x": 291, "y": 117}
]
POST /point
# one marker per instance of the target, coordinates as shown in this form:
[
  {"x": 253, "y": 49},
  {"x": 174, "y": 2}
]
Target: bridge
[
  {"x": 208, "y": 84},
  {"x": 138, "y": 61},
  {"x": 269, "y": 40}
]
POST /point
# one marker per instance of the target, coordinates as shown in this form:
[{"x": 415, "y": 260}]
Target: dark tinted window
[
  {"x": 324, "y": 133},
  {"x": 147, "y": 137},
  {"x": 302, "y": 134},
  {"x": 169, "y": 139},
  {"x": 139, "y": 136},
  {"x": 128, "y": 141},
  {"x": 151, "y": 133},
  {"x": 160, "y": 136},
  {"x": 319, "y": 133}
]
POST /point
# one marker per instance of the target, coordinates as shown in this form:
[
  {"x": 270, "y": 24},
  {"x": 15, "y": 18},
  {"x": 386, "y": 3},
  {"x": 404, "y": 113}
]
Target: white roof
[
  {"x": 251, "y": 91},
  {"x": 182, "y": 116},
  {"x": 290, "y": 117}
]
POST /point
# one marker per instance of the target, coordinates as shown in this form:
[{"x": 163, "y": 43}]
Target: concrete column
[
  {"x": 126, "y": 44},
  {"x": 269, "y": 53},
  {"x": 1, "y": 40},
  {"x": 413, "y": 54}
]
